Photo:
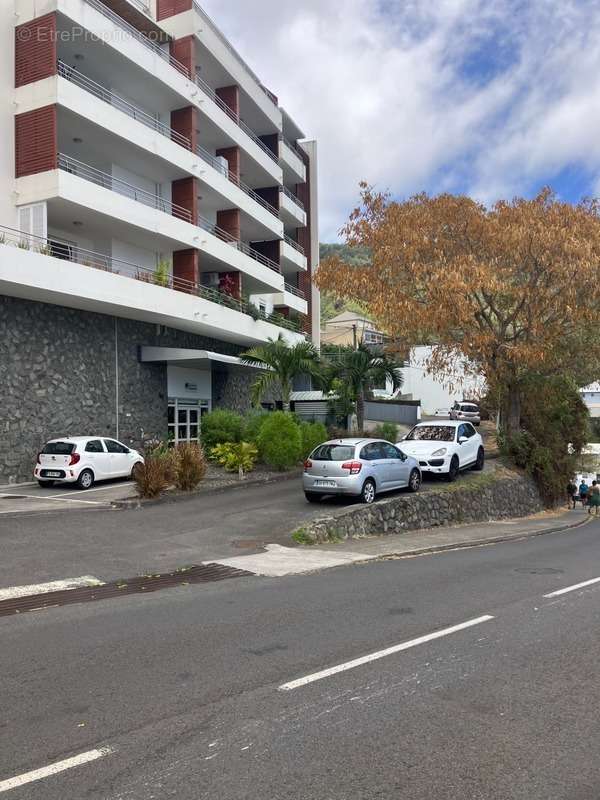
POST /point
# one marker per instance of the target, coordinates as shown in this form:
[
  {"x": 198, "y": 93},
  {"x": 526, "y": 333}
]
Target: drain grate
[{"x": 207, "y": 573}]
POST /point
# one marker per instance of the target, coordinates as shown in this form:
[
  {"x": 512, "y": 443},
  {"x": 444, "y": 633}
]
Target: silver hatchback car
[
  {"x": 358, "y": 467},
  {"x": 464, "y": 411}
]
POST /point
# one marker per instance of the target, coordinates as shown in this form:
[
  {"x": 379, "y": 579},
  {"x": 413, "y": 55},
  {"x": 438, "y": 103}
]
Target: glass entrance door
[{"x": 184, "y": 420}]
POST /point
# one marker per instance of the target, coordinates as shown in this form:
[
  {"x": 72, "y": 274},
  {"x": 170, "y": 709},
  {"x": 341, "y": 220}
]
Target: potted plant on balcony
[{"x": 162, "y": 273}]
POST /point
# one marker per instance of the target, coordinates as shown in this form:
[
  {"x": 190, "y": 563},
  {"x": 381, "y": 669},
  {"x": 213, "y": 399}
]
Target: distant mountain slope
[{"x": 330, "y": 306}]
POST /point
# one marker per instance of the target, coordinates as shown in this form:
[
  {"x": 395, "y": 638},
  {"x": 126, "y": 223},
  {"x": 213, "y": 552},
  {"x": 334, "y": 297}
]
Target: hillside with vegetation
[{"x": 330, "y": 304}]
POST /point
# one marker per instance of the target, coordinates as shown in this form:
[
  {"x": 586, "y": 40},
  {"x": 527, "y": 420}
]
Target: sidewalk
[{"x": 278, "y": 561}]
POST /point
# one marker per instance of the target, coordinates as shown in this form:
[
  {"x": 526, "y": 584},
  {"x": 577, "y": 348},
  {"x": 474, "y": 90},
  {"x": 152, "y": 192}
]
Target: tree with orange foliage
[{"x": 510, "y": 290}]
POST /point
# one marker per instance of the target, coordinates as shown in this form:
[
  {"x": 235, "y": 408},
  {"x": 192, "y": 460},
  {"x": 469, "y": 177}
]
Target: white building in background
[
  {"x": 440, "y": 390},
  {"x": 158, "y": 216},
  {"x": 591, "y": 397}
]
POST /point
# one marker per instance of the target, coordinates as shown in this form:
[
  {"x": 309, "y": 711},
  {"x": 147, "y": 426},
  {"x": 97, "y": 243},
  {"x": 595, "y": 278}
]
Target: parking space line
[
  {"x": 96, "y": 489},
  {"x": 54, "y": 769},
  {"x": 573, "y": 588},
  {"x": 59, "y": 498},
  {"x": 358, "y": 662},
  {"x": 11, "y": 592}
]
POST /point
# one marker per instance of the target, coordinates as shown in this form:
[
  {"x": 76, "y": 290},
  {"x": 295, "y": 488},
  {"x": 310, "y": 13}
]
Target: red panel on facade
[
  {"x": 230, "y": 221},
  {"x": 35, "y": 50},
  {"x": 230, "y": 95},
  {"x": 232, "y": 154},
  {"x": 35, "y": 141},
  {"x": 185, "y": 122},
  {"x": 231, "y": 283},
  {"x": 185, "y": 269},
  {"x": 184, "y": 51},
  {"x": 168, "y": 8},
  {"x": 184, "y": 193}
]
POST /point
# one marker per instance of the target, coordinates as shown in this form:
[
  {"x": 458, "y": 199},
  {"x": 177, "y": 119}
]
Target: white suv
[
  {"x": 445, "y": 447},
  {"x": 84, "y": 460}
]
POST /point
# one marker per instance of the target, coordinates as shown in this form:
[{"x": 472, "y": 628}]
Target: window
[
  {"x": 432, "y": 433},
  {"x": 389, "y": 451},
  {"x": 463, "y": 430},
  {"x": 469, "y": 430},
  {"x": 94, "y": 447},
  {"x": 262, "y": 307},
  {"x": 115, "y": 447},
  {"x": 58, "y": 449},
  {"x": 373, "y": 451},
  {"x": 333, "y": 452}
]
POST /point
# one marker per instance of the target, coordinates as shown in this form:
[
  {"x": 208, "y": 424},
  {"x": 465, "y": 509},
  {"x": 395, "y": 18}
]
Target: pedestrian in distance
[
  {"x": 583, "y": 492},
  {"x": 572, "y": 494},
  {"x": 594, "y": 498}
]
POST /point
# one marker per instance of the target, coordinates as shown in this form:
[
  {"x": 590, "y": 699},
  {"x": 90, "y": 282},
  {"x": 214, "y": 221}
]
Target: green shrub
[
  {"x": 313, "y": 434},
  {"x": 237, "y": 457},
  {"x": 253, "y": 423},
  {"x": 280, "y": 441},
  {"x": 221, "y": 426},
  {"x": 387, "y": 431},
  {"x": 189, "y": 466}
]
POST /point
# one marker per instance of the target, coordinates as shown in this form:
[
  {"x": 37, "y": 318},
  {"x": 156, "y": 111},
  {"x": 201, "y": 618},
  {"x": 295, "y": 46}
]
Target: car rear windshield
[
  {"x": 58, "y": 449},
  {"x": 469, "y": 408},
  {"x": 333, "y": 452},
  {"x": 433, "y": 433}
]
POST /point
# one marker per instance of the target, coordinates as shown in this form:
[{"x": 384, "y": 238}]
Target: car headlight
[{"x": 441, "y": 452}]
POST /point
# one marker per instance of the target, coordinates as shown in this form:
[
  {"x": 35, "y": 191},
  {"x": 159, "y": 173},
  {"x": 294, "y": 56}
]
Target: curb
[
  {"x": 480, "y": 542},
  {"x": 138, "y": 502}
]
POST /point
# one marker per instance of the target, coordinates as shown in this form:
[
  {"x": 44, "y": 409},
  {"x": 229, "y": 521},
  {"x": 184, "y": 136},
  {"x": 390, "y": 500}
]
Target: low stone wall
[{"x": 497, "y": 495}]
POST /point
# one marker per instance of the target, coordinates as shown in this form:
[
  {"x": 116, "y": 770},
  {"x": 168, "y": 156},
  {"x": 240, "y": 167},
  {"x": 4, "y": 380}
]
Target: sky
[{"x": 492, "y": 99}]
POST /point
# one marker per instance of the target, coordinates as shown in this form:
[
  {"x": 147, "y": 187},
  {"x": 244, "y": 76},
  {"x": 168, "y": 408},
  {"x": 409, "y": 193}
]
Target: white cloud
[{"x": 491, "y": 98}]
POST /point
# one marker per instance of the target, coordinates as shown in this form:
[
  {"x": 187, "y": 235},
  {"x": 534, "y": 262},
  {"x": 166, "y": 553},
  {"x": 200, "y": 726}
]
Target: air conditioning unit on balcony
[
  {"x": 223, "y": 165},
  {"x": 211, "y": 279}
]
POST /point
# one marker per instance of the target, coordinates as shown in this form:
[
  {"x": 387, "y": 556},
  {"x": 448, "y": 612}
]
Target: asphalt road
[
  {"x": 45, "y": 545},
  {"x": 178, "y": 694}
]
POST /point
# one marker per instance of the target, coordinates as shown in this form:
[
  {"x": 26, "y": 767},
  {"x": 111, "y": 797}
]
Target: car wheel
[
  {"x": 368, "y": 492},
  {"x": 414, "y": 482},
  {"x": 453, "y": 470},
  {"x": 480, "y": 460},
  {"x": 313, "y": 497},
  {"x": 135, "y": 471},
  {"x": 85, "y": 479},
  {"x": 43, "y": 484}
]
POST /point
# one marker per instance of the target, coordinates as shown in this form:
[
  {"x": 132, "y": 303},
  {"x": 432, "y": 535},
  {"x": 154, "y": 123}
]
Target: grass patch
[{"x": 300, "y": 536}]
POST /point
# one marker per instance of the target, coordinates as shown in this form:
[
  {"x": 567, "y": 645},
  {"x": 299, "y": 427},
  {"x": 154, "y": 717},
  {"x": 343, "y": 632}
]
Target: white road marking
[
  {"x": 97, "y": 489},
  {"x": 53, "y": 586},
  {"x": 574, "y": 588},
  {"x": 59, "y": 498},
  {"x": 53, "y": 769},
  {"x": 358, "y": 662}
]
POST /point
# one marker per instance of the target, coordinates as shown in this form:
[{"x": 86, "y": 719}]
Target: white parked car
[
  {"x": 445, "y": 447},
  {"x": 84, "y": 460}
]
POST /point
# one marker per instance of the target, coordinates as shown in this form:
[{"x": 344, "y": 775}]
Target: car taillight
[
  {"x": 354, "y": 467},
  {"x": 307, "y": 465},
  {"x": 75, "y": 458}
]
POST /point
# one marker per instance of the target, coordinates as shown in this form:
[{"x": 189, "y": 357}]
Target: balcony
[
  {"x": 291, "y": 208},
  {"x": 241, "y": 246},
  {"x": 292, "y": 255},
  {"x": 40, "y": 269},
  {"x": 106, "y": 181},
  {"x": 293, "y": 166}
]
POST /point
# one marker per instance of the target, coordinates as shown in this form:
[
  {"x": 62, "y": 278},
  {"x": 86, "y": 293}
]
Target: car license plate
[
  {"x": 53, "y": 474},
  {"x": 324, "y": 484}
]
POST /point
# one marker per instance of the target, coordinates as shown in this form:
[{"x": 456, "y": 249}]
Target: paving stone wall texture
[
  {"x": 58, "y": 376},
  {"x": 499, "y": 495}
]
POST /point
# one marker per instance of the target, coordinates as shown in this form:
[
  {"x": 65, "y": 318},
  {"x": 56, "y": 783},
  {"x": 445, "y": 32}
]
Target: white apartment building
[{"x": 158, "y": 216}]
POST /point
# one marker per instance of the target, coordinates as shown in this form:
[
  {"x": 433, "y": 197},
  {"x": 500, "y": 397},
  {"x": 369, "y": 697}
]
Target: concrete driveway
[{"x": 31, "y": 498}]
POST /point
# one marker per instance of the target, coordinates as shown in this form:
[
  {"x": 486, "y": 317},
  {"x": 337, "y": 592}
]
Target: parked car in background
[
  {"x": 445, "y": 447},
  {"x": 359, "y": 468},
  {"x": 83, "y": 460},
  {"x": 466, "y": 411}
]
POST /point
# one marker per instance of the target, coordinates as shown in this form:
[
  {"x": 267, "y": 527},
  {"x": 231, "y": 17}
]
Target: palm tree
[
  {"x": 361, "y": 368},
  {"x": 282, "y": 363}
]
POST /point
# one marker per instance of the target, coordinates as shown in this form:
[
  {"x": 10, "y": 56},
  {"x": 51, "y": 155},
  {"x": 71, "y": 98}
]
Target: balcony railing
[
  {"x": 294, "y": 290},
  {"x": 116, "y": 266},
  {"x": 214, "y": 162},
  {"x": 241, "y": 246},
  {"x": 235, "y": 117},
  {"x": 292, "y": 145},
  {"x": 293, "y": 244},
  {"x": 88, "y": 173},
  {"x": 141, "y": 38},
  {"x": 234, "y": 52},
  {"x": 292, "y": 197},
  {"x": 141, "y": 6},
  {"x": 78, "y": 78}
]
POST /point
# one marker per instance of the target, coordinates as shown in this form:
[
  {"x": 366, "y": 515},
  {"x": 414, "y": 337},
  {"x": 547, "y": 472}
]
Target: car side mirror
[{"x": 463, "y": 439}]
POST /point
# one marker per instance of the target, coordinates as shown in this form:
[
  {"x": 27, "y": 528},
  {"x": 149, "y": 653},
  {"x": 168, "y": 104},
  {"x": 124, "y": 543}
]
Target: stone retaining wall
[{"x": 498, "y": 495}]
